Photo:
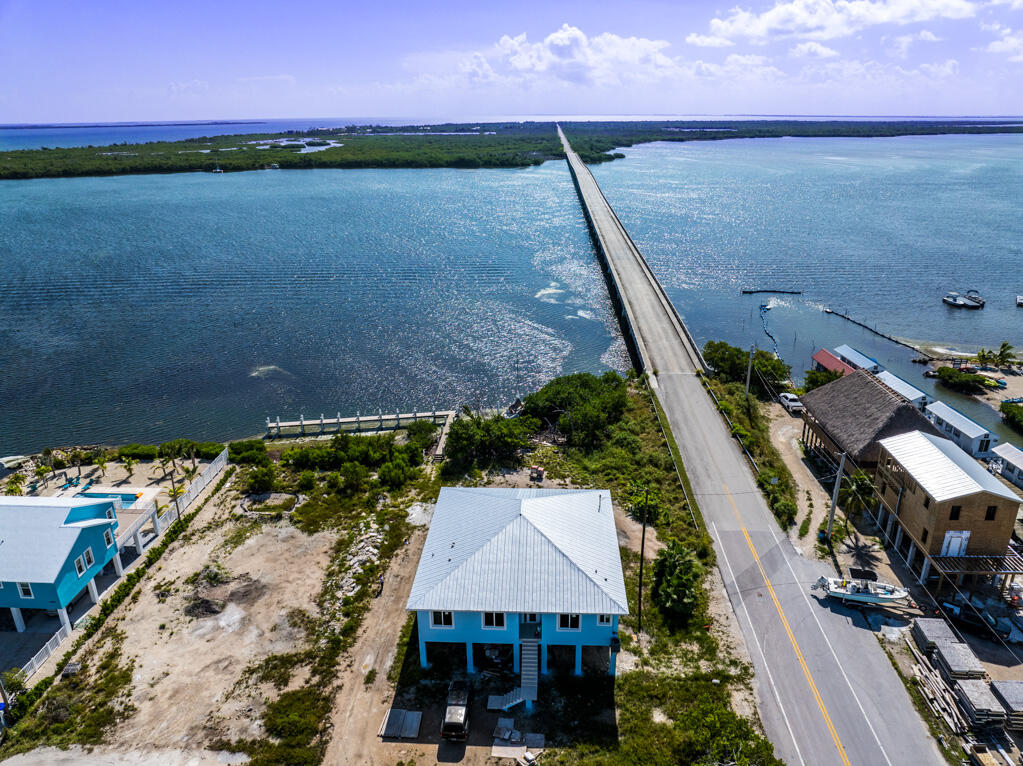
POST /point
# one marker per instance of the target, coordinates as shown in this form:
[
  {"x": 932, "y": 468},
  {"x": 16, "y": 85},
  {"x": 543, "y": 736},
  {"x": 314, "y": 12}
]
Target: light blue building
[
  {"x": 51, "y": 549},
  {"x": 970, "y": 435},
  {"x": 525, "y": 572}
]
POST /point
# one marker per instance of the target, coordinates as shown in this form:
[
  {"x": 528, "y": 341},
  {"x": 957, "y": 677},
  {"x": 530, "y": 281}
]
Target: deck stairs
[{"x": 530, "y": 671}]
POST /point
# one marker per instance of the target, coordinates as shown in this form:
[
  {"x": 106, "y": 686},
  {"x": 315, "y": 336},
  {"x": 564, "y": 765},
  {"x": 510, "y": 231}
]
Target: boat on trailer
[{"x": 860, "y": 591}]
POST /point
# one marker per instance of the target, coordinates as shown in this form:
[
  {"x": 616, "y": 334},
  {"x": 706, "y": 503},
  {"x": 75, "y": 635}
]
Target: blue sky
[{"x": 151, "y": 60}]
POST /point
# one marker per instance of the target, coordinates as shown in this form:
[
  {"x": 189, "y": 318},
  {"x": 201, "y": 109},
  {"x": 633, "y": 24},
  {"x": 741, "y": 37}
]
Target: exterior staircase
[
  {"x": 530, "y": 668},
  {"x": 530, "y": 672}
]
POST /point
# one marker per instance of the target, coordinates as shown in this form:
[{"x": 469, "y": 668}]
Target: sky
[{"x": 106, "y": 61}]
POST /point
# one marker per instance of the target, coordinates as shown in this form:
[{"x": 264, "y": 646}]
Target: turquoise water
[
  {"x": 127, "y": 501},
  {"x": 879, "y": 229},
  {"x": 144, "y": 308}
]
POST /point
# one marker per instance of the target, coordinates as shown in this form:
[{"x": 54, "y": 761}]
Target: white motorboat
[
  {"x": 954, "y": 299},
  {"x": 1019, "y": 300},
  {"x": 861, "y": 591}
]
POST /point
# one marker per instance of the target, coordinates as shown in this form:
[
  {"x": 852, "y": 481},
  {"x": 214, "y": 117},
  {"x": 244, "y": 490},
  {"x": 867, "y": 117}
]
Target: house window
[
  {"x": 108, "y": 538},
  {"x": 89, "y": 560},
  {"x": 927, "y": 502},
  {"x": 110, "y": 513},
  {"x": 938, "y": 421},
  {"x": 603, "y": 619},
  {"x": 442, "y": 619},
  {"x": 989, "y": 515},
  {"x": 957, "y": 432},
  {"x": 948, "y": 428},
  {"x": 985, "y": 445},
  {"x": 493, "y": 619},
  {"x": 79, "y": 566},
  {"x": 530, "y": 617},
  {"x": 953, "y": 515},
  {"x": 923, "y": 537},
  {"x": 568, "y": 622},
  {"x": 25, "y": 589}
]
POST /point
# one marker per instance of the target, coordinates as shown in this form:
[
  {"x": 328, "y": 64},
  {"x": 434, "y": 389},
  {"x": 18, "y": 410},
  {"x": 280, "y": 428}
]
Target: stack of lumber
[
  {"x": 981, "y": 707},
  {"x": 935, "y": 691},
  {"x": 957, "y": 661},
  {"x": 1010, "y": 694},
  {"x": 929, "y": 630}
]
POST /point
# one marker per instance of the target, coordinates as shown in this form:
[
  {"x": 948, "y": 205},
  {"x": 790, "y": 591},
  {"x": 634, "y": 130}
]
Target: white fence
[
  {"x": 203, "y": 480},
  {"x": 194, "y": 490},
  {"x": 44, "y": 654}
]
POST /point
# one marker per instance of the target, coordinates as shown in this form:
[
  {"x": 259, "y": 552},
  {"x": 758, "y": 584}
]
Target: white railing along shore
[{"x": 44, "y": 654}]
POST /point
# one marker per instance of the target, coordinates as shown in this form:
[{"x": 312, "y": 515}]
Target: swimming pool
[{"x": 127, "y": 499}]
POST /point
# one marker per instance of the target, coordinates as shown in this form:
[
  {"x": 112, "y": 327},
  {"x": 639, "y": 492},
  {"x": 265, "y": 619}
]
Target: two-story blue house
[
  {"x": 525, "y": 572},
  {"x": 51, "y": 549}
]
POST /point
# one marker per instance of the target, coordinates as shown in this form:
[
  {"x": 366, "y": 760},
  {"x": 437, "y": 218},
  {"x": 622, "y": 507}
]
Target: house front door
[{"x": 955, "y": 543}]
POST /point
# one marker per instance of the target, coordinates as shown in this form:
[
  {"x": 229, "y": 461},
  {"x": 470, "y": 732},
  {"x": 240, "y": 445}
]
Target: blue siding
[{"x": 69, "y": 583}]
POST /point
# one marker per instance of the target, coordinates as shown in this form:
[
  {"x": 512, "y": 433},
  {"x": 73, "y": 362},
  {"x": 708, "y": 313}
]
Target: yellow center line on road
[{"x": 788, "y": 631}]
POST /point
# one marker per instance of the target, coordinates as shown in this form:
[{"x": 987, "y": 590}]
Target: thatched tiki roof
[{"x": 857, "y": 410}]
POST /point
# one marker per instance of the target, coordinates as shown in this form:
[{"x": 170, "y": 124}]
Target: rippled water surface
[
  {"x": 143, "y": 307},
  {"x": 149, "y": 307},
  {"x": 879, "y": 229}
]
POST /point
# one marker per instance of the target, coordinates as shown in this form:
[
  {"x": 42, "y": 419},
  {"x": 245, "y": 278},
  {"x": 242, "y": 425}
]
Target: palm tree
[
  {"x": 191, "y": 454},
  {"x": 76, "y": 458},
  {"x": 163, "y": 460},
  {"x": 129, "y": 465},
  {"x": 189, "y": 472},
  {"x": 856, "y": 493},
  {"x": 1004, "y": 356},
  {"x": 984, "y": 357},
  {"x": 41, "y": 471},
  {"x": 101, "y": 464},
  {"x": 14, "y": 484},
  {"x": 174, "y": 493}
]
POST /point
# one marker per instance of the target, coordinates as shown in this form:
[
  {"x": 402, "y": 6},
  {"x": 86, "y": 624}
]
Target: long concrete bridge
[{"x": 826, "y": 692}]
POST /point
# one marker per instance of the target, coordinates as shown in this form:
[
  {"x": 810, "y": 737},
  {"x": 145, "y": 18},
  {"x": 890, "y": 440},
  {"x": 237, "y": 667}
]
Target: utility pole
[
  {"x": 834, "y": 494},
  {"x": 749, "y": 368},
  {"x": 642, "y": 557}
]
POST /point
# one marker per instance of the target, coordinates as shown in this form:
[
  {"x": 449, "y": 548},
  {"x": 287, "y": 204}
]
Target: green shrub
[
  {"x": 249, "y": 452},
  {"x": 261, "y": 479},
  {"x": 306, "y": 481},
  {"x": 817, "y": 378},
  {"x": 1012, "y": 414},
  {"x": 582, "y": 405},
  {"x": 770, "y": 374},
  {"x": 422, "y": 433},
  {"x": 138, "y": 451},
  {"x": 963, "y": 382},
  {"x": 474, "y": 440},
  {"x": 296, "y": 716},
  {"x": 678, "y": 583},
  {"x": 208, "y": 450}
]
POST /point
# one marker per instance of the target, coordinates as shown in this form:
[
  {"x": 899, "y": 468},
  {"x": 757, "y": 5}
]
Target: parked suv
[
  {"x": 456, "y": 716},
  {"x": 791, "y": 403}
]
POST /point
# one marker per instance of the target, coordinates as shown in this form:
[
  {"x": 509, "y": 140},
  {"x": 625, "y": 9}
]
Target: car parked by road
[{"x": 791, "y": 403}]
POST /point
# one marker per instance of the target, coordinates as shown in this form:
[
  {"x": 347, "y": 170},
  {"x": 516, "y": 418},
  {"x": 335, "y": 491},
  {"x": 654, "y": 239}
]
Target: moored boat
[
  {"x": 954, "y": 299},
  {"x": 1019, "y": 300},
  {"x": 973, "y": 300},
  {"x": 860, "y": 591}
]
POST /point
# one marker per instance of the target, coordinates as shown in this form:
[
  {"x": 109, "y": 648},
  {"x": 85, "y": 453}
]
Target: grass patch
[{"x": 394, "y": 672}]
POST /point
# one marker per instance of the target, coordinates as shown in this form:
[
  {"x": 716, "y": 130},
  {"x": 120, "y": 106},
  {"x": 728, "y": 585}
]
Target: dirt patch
[
  {"x": 191, "y": 648},
  {"x": 107, "y": 756},
  {"x": 811, "y": 497}
]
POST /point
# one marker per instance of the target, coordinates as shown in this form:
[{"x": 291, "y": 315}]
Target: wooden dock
[{"x": 278, "y": 429}]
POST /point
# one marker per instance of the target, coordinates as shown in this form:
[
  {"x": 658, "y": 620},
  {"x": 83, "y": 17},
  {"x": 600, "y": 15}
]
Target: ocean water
[
  {"x": 14, "y": 137},
  {"x": 141, "y": 308},
  {"x": 878, "y": 229}
]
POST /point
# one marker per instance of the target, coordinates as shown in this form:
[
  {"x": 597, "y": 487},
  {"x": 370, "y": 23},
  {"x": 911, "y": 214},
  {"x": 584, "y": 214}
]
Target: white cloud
[
  {"x": 812, "y": 49},
  {"x": 708, "y": 41},
  {"x": 188, "y": 88},
  {"x": 737, "y": 67},
  {"x": 569, "y": 55},
  {"x": 904, "y": 42},
  {"x": 1015, "y": 5},
  {"x": 1011, "y": 45},
  {"x": 830, "y": 19},
  {"x": 947, "y": 68}
]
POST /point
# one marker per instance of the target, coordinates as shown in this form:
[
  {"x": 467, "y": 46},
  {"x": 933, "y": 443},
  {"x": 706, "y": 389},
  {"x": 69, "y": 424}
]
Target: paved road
[{"x": 827, "y": 693}]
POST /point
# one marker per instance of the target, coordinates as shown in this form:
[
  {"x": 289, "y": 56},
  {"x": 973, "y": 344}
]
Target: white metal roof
[
  {"x": 957, "y": 419},
  {"x": 1010, "y": 453},
  {"x": 941, "y": 468},
  {"x": 901, "y": 387},
  {"x": 855, "y": 358},
  {"x": 521, "y": 550},
  {"x": 35, "y": 540}
]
